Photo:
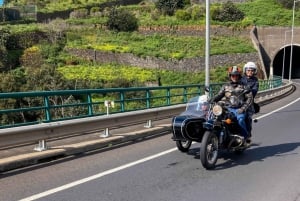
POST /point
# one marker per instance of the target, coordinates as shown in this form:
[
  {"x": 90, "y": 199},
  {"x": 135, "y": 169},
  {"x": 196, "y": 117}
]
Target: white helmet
[{"x": 250, "y": 65}]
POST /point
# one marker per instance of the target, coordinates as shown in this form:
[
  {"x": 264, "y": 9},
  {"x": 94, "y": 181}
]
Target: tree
[
  {"x": 286, "y": 3},
  {"x": 168, "y": 7},
  {"x": 121, "y": 20},
  {"x": 228, "y": 13}
]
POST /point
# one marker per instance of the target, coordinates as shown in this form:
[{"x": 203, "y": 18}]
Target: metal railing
[
  {"x": 53, "y": 130},
  {"x": 29, "y": 108}
]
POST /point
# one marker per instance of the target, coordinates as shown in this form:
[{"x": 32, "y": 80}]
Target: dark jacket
[
  {"x": 252, "y": 83},
  {"x": 239, "y": 90}
]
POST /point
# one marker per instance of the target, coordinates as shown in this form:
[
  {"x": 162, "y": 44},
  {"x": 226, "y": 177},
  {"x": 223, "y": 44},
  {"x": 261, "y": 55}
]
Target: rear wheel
[
  {"x": 183, "y": 145},
  {"x": 209, "y": 150}
]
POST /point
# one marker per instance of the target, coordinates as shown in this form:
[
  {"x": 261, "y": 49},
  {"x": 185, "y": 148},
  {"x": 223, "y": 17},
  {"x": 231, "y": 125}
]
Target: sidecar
[{"x": 188, "y": 126}]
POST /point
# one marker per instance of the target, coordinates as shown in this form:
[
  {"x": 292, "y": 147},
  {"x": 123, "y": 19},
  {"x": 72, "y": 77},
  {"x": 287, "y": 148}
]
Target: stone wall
[
  {"x": 222, "y": 1},
  {"x": 188, "y": 65},
  {"x": 195, "y": 30},
  {"x": 46, "y": 17}
]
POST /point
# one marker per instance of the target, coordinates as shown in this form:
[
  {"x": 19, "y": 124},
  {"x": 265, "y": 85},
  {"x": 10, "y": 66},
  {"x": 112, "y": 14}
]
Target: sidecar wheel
[
  {"x": 183, "y": 145},
  {"x": 209, "y": 150}
]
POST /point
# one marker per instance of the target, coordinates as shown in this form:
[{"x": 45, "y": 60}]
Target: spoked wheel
[
  {"x": 209, "y": 150},
  {"x": 183, "y": 145}
]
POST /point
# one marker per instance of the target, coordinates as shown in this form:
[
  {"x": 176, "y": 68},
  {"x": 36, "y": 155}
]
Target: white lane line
[
  {"x": 260, "y": 117},
  {"x": 96, "y": 176}
]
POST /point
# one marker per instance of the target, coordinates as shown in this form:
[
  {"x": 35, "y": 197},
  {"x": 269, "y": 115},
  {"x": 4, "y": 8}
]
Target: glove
[{"x": 240, "y": 111}]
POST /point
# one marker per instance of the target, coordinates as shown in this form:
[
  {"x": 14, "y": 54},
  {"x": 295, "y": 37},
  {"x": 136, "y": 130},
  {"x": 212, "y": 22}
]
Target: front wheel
[
  {"x": 209, "y": 150},
  {"x": 184, "y": 145}
]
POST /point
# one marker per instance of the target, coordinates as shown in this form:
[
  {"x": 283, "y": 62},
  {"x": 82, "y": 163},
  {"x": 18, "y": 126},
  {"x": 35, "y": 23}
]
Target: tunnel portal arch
[{"x": 281, "y": 62}]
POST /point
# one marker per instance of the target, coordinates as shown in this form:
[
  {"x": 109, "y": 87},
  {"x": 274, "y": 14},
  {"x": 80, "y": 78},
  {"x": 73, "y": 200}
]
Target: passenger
[
  {"x": 204, "y": 109},
  {"x": 204, "y": 105},
  {"x": 249, "y": 78}
]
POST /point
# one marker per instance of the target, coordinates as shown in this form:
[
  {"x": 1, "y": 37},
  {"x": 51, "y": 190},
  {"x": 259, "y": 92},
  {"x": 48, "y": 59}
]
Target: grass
[
  {"x": 114, "y": 72},
  {"x": 268, "y": 13},
  {"x": 165, "y": 46}
]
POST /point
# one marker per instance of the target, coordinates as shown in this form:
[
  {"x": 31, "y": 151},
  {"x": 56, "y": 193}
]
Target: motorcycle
[{"x": 217, "y": 129}]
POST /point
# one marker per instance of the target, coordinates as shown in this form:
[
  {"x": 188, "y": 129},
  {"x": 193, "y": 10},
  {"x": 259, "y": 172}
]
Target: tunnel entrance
[{"x": 281, "y": 62}]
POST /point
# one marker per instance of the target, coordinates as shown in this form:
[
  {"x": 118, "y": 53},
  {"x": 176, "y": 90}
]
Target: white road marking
[
  {"x": 260, "y": 117},
  {"x": 97, "y": 176}
]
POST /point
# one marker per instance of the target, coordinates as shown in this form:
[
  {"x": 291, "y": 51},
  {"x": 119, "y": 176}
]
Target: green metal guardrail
[{"x": 27, "y": 108}]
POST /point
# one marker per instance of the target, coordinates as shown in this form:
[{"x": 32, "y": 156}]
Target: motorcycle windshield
[{"x": 197, "y": 107}]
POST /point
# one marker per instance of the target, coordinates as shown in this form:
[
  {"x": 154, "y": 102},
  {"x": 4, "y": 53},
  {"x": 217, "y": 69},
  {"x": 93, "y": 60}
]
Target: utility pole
[{"x": 207, "y": 46}]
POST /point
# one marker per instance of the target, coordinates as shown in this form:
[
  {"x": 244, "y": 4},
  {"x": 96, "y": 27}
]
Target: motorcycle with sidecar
[{"x": 215, "y": 127}]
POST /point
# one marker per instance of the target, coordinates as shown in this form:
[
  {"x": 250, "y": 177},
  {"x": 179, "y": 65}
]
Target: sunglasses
[
  {"x": 234, "y": 75},
  {"x": 250, "y": 70}
]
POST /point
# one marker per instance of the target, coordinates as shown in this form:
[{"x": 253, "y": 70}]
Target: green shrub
[
  {"x": 32, "y": 57},
  {"x": 4, "y": 35},
  {"x": 227, "y": 13},
  {"x": 183, "y": 15},
  {"x": 197, "y": 12},
  {"x": 95, "y": 9},
  {"x": 121, "y": 20},
  {"x": 155, "y": 15},
  {"x": 80, "y": 13},
  {"x": 96, "y": 12},
  {"x": 3, "y": 57},
  {"x": 168, "y": 7},
  {"x": 286, "y": 3}
]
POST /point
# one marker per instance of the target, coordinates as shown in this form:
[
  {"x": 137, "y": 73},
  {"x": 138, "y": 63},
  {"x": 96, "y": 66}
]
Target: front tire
[
  {"x": 209, "y": 150},
  {"x": 183, "y": 145}
]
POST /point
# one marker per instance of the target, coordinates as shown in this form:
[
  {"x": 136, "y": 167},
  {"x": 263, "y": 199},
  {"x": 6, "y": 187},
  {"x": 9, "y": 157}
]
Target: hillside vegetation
[
  {"x": 39, "y": 49},
  {"x": 34, "y": 56}
]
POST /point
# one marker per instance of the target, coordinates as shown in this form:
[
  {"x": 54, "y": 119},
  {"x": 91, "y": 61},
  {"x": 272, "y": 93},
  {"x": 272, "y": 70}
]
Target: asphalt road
[{"x": 154, "y": 170}]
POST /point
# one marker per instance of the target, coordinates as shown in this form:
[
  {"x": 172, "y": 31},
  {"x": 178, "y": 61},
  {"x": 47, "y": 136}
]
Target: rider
[
  {"x": 250, "y": 79},
  {"x": 236, "y": 88}
]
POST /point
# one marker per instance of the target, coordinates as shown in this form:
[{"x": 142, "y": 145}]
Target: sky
[{"x": 1, "y": 2}]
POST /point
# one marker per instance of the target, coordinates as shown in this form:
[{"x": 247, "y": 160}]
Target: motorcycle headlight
[{"x": 217, "y": 110}]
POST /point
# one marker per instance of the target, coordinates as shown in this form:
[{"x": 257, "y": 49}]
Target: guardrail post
[
  {"x": 168, "y": 96},
  {"x": 122, "y": 101},
  {"x": 147, "y": 99},
  {"x": 41, "y": 146},
  {"x": 148, "y": 124},
  {"x": 47, "y": 108},
  {"x": 90, "y": 105},
  {"x": 107, "y": 104},
  {"x": 185, "y": 99}
]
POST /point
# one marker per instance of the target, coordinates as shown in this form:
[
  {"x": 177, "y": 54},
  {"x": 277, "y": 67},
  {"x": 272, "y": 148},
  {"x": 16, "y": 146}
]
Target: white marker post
[{"x": 108, "y": 104}]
